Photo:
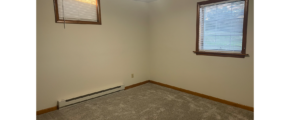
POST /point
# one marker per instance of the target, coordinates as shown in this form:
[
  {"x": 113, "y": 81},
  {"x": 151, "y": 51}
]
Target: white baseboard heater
[{"x": 81, "y": 98}]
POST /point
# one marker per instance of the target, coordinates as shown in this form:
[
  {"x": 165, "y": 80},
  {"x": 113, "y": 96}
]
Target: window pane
[
  {"x": 82, "y": 10},
  {"x": 222, "y": 27}
]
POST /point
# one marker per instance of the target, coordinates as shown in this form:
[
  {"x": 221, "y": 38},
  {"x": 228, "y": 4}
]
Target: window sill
[
  {"x": 237, "y": 55},
  {"x": 78, "y": 22}
]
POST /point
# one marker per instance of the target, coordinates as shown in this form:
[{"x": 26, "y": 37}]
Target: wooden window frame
[
  {"x": 222, "y": 54},
  {"x": 57, "y": 20}
]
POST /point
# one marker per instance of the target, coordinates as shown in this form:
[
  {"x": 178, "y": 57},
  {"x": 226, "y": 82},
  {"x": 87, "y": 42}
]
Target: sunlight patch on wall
[
  {"x": 145, "y": 0},
  {"x": 94, "y": 2}
]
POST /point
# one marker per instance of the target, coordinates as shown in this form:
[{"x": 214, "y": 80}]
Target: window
[
  {"x": 221, "y": 28},
  {"x": 77, "y": 11}
]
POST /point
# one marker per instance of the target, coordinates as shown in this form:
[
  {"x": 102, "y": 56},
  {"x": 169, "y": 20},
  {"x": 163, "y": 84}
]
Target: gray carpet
[{"x": 149, "y": 102}]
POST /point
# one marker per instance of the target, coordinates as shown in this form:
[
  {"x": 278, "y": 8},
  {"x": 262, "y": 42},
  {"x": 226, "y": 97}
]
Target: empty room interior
[{"x": 145, "y": 60}]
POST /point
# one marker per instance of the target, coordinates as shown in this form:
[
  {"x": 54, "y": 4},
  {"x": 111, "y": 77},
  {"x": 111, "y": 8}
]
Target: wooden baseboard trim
[
  {"x": 204, "y": 96},
  {"x": 137, "y": 84},
  {"x": 46, "y": 110}
]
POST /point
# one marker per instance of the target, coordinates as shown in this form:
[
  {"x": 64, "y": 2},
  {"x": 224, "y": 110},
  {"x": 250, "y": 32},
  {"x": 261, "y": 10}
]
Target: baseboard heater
[{"x": 81, "y": 98}]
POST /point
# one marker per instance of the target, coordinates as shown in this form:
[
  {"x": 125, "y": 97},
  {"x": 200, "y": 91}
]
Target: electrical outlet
[{"x": 132, "y": 75}]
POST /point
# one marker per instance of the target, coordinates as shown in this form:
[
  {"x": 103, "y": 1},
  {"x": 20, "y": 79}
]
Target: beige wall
[
  {"x": 172, "y": 40},
  {"x": 85, "y": 57}
]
